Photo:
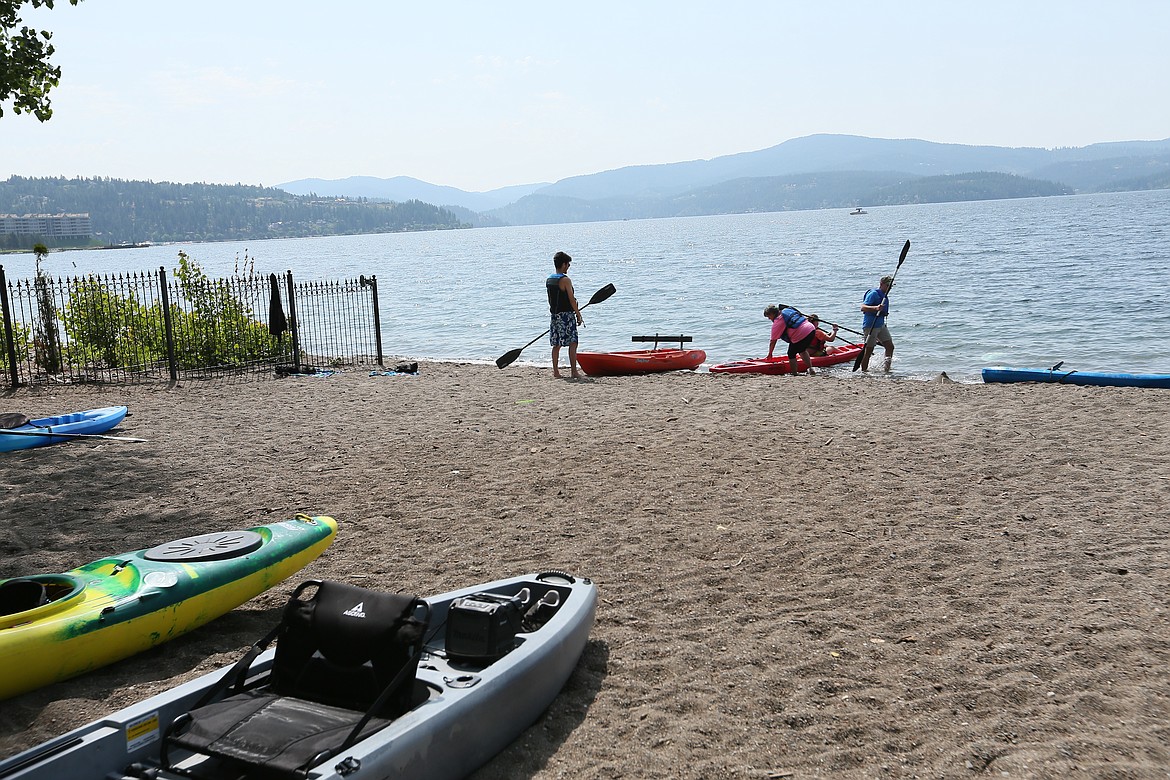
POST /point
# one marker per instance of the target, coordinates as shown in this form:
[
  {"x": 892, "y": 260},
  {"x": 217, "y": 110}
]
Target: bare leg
[
  {"x": 573, "y": 360},
  {"x": 808, "y": 362},
  {"x": 556, "y": 361},
  {"x": 889, "y": 355}
]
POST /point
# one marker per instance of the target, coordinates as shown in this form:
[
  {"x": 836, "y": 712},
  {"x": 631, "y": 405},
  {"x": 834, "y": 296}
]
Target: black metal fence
[{"x": 147, "y": 326}]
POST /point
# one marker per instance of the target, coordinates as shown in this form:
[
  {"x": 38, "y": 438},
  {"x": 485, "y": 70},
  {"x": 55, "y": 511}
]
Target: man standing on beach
[
  {"x": 566, "y": 315},
  {"x": 874, "y": 308}
]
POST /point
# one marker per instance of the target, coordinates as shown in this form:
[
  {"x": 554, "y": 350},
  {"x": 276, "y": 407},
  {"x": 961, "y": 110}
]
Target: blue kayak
[
  {"x": 1063, "y": 376},
  {"x": 36, "y": 433}
]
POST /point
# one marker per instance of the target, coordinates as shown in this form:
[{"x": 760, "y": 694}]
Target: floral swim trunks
[{"x": 563, "y": 330}]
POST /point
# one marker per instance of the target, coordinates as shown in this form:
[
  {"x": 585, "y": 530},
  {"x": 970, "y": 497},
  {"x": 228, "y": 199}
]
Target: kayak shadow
[{"x": 530, "y": 752}]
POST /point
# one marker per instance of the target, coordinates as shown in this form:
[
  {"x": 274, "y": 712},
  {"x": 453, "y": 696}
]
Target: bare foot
[
  {"x": 576, "y": 375},
  {"x": 558, "y": 375}
]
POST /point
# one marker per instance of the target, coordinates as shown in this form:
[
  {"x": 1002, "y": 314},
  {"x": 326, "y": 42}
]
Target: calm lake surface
[{"x": 1024, "y": 283}]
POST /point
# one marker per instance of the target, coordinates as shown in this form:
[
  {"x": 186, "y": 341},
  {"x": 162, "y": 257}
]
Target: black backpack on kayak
[{"x": 344, "y": 668}]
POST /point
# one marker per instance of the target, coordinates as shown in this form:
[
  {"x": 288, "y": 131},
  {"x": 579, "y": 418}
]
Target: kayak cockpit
[{"x": 28, "y": 598}]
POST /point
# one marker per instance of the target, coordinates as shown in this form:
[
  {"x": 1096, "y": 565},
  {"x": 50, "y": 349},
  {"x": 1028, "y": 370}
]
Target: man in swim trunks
[
  {"x": 874, "y": 308},
  {"x": 566, "y": 315}
]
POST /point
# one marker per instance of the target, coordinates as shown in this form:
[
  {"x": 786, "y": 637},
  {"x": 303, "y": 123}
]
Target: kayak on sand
[
  {"x": 56, "y": 626},
  {"x": 24, "y": 433},
  {"x": 779, "y": 365},
  {"x": 1058, "y": 375},
  {"x": 640, "y": 361},
  {"x": 643, "y": 361},
  {"x": 471, "y": 669}
]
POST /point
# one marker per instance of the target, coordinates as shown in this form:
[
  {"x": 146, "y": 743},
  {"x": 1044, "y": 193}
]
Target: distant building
[{"x": 47, "y": 225}]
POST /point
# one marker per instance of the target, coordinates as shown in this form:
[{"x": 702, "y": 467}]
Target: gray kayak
[{"x": 474, "y": 703}]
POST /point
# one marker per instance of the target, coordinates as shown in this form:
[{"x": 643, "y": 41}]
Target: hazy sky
[{"x": 480, "y": 95}]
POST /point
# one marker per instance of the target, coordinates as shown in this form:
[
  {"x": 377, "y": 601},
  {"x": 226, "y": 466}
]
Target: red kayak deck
[
  {"x": 779, "y": 365},
  {"x": 640, "y": 361}
]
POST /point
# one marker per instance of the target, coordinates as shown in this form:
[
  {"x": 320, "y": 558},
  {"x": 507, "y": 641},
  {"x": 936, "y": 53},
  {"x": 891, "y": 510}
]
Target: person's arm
[
  {"x": 771, "y": 347},
  {"x": 567, "y": 286},
  {"x": 832, "y": 336}
]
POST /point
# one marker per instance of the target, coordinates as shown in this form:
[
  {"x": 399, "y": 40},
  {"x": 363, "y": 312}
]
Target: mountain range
[{"x": 816, "y": 171}]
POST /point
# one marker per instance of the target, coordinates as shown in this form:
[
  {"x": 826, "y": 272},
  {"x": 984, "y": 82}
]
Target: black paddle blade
[
  {"x": 506, "y": 359},
  {"x": 13, "y": 420},
  {"x": 602, "y": 294},
  {"x": 902, "y": 257}
]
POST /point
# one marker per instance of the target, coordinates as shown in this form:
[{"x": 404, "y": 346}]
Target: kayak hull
[
  {"x": 640, "y": 361},
  {"x": 779, "y": 365},
  {"x": 121, "y": 605},
  {"x": 1058, "y": 376},
  {"x": 89, "y": 421},
  {"x": 474, "y": 710}
]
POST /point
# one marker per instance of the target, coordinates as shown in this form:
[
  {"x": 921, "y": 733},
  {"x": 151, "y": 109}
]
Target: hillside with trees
[{"x": 128, "y": 212}]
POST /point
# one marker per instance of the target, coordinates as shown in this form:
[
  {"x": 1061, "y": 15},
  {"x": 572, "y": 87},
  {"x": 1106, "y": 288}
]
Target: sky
[{"x": 480, "y": 95}]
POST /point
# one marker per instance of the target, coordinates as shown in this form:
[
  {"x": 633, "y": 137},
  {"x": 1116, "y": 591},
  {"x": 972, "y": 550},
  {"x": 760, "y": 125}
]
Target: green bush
[{"x": 109, "y": 330}]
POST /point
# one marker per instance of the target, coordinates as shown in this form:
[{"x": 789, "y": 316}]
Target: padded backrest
[{"x": 346, "y": 644}]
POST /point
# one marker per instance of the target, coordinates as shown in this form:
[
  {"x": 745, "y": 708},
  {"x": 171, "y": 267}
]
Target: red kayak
[
  {"x": 779, "y": 365},
  {"x": 640, "y": 361}
]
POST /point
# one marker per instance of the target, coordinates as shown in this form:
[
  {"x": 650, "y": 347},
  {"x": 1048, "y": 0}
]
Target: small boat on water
[
  {"x": 37, "y": 433},
  {"x": 56, "y": 626},
  {"x": 1058, "y": 375},
  {"x": 779, "y": 365},
  {"x": 471, "y": 668},
  {"x": 643, "y": 361},
  {"x": 858, "y": 210}
]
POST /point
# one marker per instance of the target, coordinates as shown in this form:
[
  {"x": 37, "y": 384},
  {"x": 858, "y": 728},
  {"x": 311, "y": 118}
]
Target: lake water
[{"x": 1025, "y": 283}]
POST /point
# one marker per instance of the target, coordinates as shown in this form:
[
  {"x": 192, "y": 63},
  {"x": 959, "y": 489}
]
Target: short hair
[
  {"x": 771, "y": 309},
  {"x": 887, "y": 280},
  {"x": 814, "y": 318},
  {"x": 560, "y": 258}
]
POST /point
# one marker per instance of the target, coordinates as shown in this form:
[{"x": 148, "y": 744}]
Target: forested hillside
[
  {"x": 831, "y": 189},
  {"x": 139, "y": 211}
]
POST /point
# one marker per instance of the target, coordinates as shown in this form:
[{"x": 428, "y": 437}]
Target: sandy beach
[{"x": 800, "y": 577}]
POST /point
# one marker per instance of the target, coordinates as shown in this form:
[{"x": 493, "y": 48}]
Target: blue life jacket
[{"x": 793, "y": 319}]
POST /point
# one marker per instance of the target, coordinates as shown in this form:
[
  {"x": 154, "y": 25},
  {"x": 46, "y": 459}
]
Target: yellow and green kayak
[{"x": 55, "y": 626}]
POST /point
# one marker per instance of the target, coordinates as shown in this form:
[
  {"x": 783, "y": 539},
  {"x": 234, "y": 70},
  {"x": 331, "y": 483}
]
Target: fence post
[
  {"x": 9, "y": 341},
  {"x": 293, "y": 325},
  {"x": 372, "y": 283},
  {"x": 172, "y": 360}
]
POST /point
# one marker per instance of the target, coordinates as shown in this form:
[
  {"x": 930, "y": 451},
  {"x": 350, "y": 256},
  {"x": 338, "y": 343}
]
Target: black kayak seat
[{"x": 344, "y": 667}]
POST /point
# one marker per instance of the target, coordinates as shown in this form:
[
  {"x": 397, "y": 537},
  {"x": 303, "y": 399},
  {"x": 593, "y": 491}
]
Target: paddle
[
  {"x": 826, "y": 322},
  {"x": 866, "y": 347},
  {"x": 6, "y": 432},
  {"x": 507, "y": 358}
]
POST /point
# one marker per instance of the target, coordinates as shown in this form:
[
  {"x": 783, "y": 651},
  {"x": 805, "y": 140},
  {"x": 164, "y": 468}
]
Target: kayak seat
[
  {"x": 344, "y": 667},
  {"x": 22, "y": 595}
]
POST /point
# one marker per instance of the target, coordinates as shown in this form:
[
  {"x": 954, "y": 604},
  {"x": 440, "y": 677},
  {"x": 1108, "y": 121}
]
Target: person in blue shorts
[
  {"x": 566, "y": 314},
  {"x": 874, "y": 308}
]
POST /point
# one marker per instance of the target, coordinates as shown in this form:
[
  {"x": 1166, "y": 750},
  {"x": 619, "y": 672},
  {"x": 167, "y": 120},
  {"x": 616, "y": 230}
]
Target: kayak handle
[{"x": 143, "y": 596}]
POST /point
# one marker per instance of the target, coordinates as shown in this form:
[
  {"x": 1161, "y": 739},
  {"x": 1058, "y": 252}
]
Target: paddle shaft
[
  {"x": 7, "y": 432},
  {"x": 507, "y": 358},
  {"x": 865, "y": 345},
  {"x": 826, "y": 322}
]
